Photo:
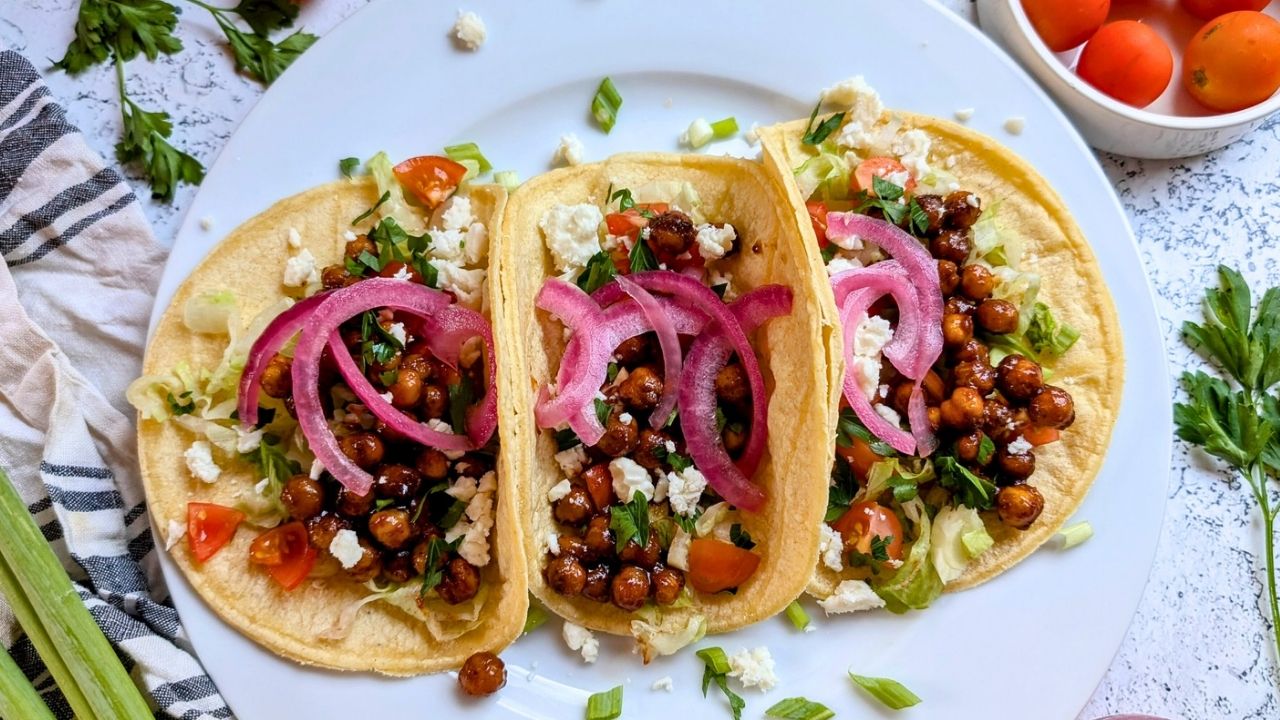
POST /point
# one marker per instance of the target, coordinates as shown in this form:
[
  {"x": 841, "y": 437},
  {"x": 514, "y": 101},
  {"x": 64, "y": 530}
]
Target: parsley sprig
[
  {"x": 1237, "y": 419},
  {"x": 255, "y": 54}
]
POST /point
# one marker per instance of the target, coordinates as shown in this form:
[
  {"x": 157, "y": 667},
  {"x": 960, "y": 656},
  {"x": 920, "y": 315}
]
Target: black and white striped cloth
[{"x": 76, "y": 288}]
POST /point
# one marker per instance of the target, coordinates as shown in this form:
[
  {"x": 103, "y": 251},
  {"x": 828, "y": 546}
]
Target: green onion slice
[
  {"x": 536, "y": 616},
  {"x": 725, "y": 128},
  {"x": 605, "y": 705},
  {"x": 469, "y": 152},
  {"x": 507, "y": 179},
  {"x": 796, "y": 614},
  {"x": 890, "y": 692},
  {"x": 1075, "y": 534},
  {"x": 798, "y": 708},
  {"x": 715, "y": 660},
  {"x": 604, "y": 106}
]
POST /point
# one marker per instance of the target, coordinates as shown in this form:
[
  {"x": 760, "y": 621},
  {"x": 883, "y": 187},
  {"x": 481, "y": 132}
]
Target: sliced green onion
[
  {"x": 473, "y": 168},
  {"x": 1075, "y": 534},
  {"x": 699, "y": 133},
  {"x": 796, "y": 614},
  {"x": 17, "y": 698},
  {"x": 604, "y": 106},
  {"x": 889, "y": 692},
  {"x": 47, "y": 606},
  {"x": 725, "y": 128},
  {"x": 536, "y": 616},
  {"x": 468, "y": 151},
  {"x": 715, "y": 659},
  {"x": 976, "y": 542},
  {"x": 798, "y": 708},
  {"x": 507, "y": 179},
  {"x": 605, "y": 705}
]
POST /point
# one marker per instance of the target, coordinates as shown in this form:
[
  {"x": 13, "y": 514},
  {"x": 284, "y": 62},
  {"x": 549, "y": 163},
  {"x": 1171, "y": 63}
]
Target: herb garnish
[
  {"x": 642, "y": 257},
  {"x": 437, "y": 550},
  {"x": 623, "y": 198},
  {"x": 602, "y": 411},
  {"x": 347, "y": 166},
  {"x": 880, "y": 548},
  {"x": 186, "y": 407},
  {"x": 890, "y": 692},
  {"x": 599, "y": 271},
  {"x": 970, "y": 489},
  {"x": 740, "y": 537},
  {"x": 462, "y": 395},
  {"x": 716, "y": 667},
  {"x": 798, "y": 708},
  {"x": 849, "y": 427},
  {"x": 814, "y": 136},
  {"x": 630, "y": 521},
  {"x": 359, "y": 218},
  {"x": 1046, "y": 335}
]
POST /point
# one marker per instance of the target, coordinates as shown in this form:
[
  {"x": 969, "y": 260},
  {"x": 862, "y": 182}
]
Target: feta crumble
[
  {"x": 559, "y": 490},
  {"x": 1019, "y": 446},
  {"x": 663, "y": 683},
  {"x": 570, "y": 151},
  {"x": 963, "y": 114},
  {"x": 851, "y": 596},
  {"x": 465, "y": 284},
  {"x": 470, "y": 30},
  {"x": 753, "y": 668},
  {"x": 629, "y": 478},
  {"x": 176, "y": 532},
  {"x": 295, "y": 238},
  {"x": 841, "y": 264},
  {"x": 300, "y": 269},
  {"x": 581, "y": 639},
  {"x": 206, "y": 223},
  {"x": 684, "y": 489},
  {"x": 199, "y": 458},
  {"x": 752, "y": 135},
  {"x": 889, "y": 414},
  {"x": 553, "y": 542},
  {"x": 869, "y": 340},
  {"x": 572, "y": 461},
  {"x": 831, "y": 548},
  {"x": 345, "y": 548},
  {"x": 248, "y": 441},
  {"x": 714, "y": 242},
  {"x": 912, "y": 147},
  {"x": 444, "y": 427},
  {"x": 572, "y": 234},
  {"x": 397, "y": 331},
  {"x": 1015, "y": 125}
]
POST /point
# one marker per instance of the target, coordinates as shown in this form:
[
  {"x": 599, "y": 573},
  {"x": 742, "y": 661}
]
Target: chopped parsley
[
  {"x": 347, "y": 166},
  {"x": 364, "y": 215},
  {"x": 740, "y": 537},
  {"x": 599, "y": 271},
  {"x": 461, "y": 396},
  {"x": 642, "y": 257},
  {"x": 437, "y": 551},
  {"x": 630, "y": 521},
  {"x": 970, "y": 489},
  {"x": 815, "y": 135}
]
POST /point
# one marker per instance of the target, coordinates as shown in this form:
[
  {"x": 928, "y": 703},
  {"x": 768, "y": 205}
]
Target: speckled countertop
[{"x": 1199, "y": 646}]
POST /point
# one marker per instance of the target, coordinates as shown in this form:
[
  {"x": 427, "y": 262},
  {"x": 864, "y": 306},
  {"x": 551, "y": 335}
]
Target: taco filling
[
  {"x": 658, "y": 408},
  {"x": 947, "y": 393}
]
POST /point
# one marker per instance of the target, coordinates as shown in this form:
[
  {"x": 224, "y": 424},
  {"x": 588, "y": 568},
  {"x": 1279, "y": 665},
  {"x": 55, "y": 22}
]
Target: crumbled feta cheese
[
  {"x": 629, "y": 478},
  {"x": 856, "y": 94},
  {"x": 1015, "y": 125},
  {"x": 963, "y": 114},
  {"x": 570, "y": 151},
  {"x": 345, "y": 548},
  {"x": 899, "y": 178},
  {"x": 890, "y": 415},
  {"x": 317, "y": 468},
  {"x": 397, "y": 331},
  {"x": 466, "y": 285},
  {"x": 200, "y": 462},
  {"x": 248, "y": 441},
  {"x": 448, "y": 244},
  {"x": 295, "y": 238},
  {"x": 477, "y": 243},
  {"x": 572, "y": 234},
  {"x": 553, "y": 542},
  {"x": 581, "y": 639},
  {"x": 866, "y": 371},
  {"x": 559, "y": 490},
  {"x": 457, "y": 214},
  {"x": 973, "y": 201},
  {"x": 661, "y": 486},
  {"x": 841, "y": 264},
  {"x": 753, "y": 668},
  {"x": 300, "y": 269},
  {"x": 831, "y": 548},
  {"x": 684, "y": 489},
  {"x": 475, "y": 536},
  {"x": 1019, "y": 446},
  {"x": 176, "y": 532},
  {"x": 669, "y": 446},
  {"x": 572, "y": 461},
  {"x": 403, "y": 274},
  {"x": 470, "y": 30},
  {"x": 752, "y": 135},
  {"x": 625, "y": 418},
  {"x": 663, "y": 683},
  {"x": 349, "y": 235},
  {"x": 847, "y": 242},
  {"x": 851, "y": 596},
  {"x": 387, "y": 396},
  {"x": 714, "y": 242},
  {"x": 206, "y": 223},
  {"x": 464, "y": 488},
  {"x": 872, "y": 335},
  {"x": 444, "y": 427},
  {"x": 678, "y": 552},
  {"x": 912, "y": 148}
]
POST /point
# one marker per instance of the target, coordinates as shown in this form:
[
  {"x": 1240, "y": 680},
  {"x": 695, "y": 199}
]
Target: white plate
[{"x": 1034, "y": 643}]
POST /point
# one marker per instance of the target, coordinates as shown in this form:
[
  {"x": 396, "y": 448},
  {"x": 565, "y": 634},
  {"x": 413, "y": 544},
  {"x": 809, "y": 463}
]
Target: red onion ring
[
  {"x": 852, "y": 314},
  {"x": 449, "y": 329},
  {"x": 273, "y": 337},
  {"x": 888, "y": 277},
  {"x": 576, "y": 310},
  {"x": 668, "y": 341},
  {"x": 752, "y": 310}
]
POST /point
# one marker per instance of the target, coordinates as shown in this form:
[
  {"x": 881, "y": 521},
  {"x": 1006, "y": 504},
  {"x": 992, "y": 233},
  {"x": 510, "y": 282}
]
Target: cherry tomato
[
  {"x": 1233, "y": 62},
  {"x": 431, "y": 178},
  {"x": 1128, "y": 61},
  {"x": 1064, "y": 24},
  {"x": 881, "y": 167},
  {"x": 1210, "y": 9},
  {"x": 818, "y": 216},
  {"x": 716, "y": 565},
  {"x": 866, "y": 521},
  {"x": 285, "y": 552},
  {"x": 210, "y": 527},
  {"x": 860, "y": 457},
  {"x": 1040, "y": 435}
]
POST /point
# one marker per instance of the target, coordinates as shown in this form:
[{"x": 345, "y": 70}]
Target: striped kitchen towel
[{"x": 76, "y": 288}]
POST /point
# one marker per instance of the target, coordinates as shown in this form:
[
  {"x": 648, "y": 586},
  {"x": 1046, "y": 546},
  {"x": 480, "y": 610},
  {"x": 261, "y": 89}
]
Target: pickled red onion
[
  {"x": 448, "y": 329},
  {"x": 889, "y": 277},
  {"x": 752, "y": 310},
  {"x": 274, "y": 337},
  {"x": 852, "y": 314},
  {"x": 672, "y": 362},
  {"x": 582, "y": 316}
]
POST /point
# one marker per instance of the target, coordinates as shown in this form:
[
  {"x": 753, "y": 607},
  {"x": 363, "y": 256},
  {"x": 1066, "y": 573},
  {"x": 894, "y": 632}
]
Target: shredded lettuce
[
  {"x": 159, "y": 397},
  {"x": 1046, "y": 335},
  {"x": 824, "y": 176},
  {"x": 893, "y": 474},
  {"x": 212, "y": 312},
  {"x": 915, "y": 584},
  {"x": 652, "y": 641},
  {"x": 679, "y": 194},
  {"x": 956, "y": 532},
  {"x": 396, "y": 206}
]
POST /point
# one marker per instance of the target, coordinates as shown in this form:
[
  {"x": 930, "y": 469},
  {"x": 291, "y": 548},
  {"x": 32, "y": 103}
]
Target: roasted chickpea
[
  {"x": 416, "y": 361},
  {"x": 432, "y": 463},
  {"x": 353, "y": 505},
  {"x": 397, "y": 482},
  {"x": 572, "y": 546},
  {"x": 642, "y": 389},
  {"x": 598, "y": 482},
  {"x": 900, "y": 397},
  {"x": 302, "y": 497},
  {"x": 363, "y": 448},
  {"x": 1019, "y": 505},
  {"x": 1015, "y": 466},
  {"x": 646, "y": 556},
  {"x": 978, "y": 375},
  {"x": 322, "y": 528},
  {"x": 621, "y": 434},
  {"x": 629, "y": 588},
  {"x": 574, "y": 508},
  {"x": 934, "y": 208},
  {"x": 1019, "y": 378},
  {"x": 277, "y": 377},
  {"x": 957, "y": 329},
  {"x": 482, "y": 674},
  {"x": 734, "y": 437},
  {"x": 934, "y": 389},
  {"x": 671, "y": 234},
  {"x": 963, "y": 410},
  {"x": 398, "y": 567},
  {"x": 598, "y": 584},
  {"x": 435, "y": 402},
  {"x": 421, "y": 552},
  {"x": 460, "y": 583},
  {"x": 948, "y": 277},
  {"x": 953, "y": 245},
  {"x": 650, "y": 449},
  {"x": 667, "y": 584},
  {"x": 731, "y": 384},
  {"x": 972, "y": 351},
  {"x": 472, "y": 465},
  {"x": 361, "y": 244},
  {"x": 565, "y": 575},
  {"x": 634, "y": 350},
  {"x": 935, "y": 418},
  {"x": 997, "y": 316},
  {"x": 997, "y": 419},
  {"x": 333, "y": 277},
  {"x": 406, "y": 391},
  {"x": 391, "y": 528},
  {"x": 962, "y": 210},
  {"x": 969, "y": 447},
  {"x": 369, "y": 566},
  {"x": 959, "y": 305},
  {"x": 977, "y": 282},
  {"x": 1052, "y": 407},
  {"x": 599, "y": 538}
]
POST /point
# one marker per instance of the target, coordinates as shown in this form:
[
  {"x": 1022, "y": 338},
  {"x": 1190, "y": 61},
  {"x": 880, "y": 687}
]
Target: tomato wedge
[
  {"x": 631, "y": 221},
  {"x": 209, "y": 527},
  {"x": 860, "y": 457},
  {"x": 879, "y": 167},
  {"x": 864, "y": 522},
  {"x": 285, "y": 552},
  {"x": 1038, "y": 436},
  {"x": 818, "y": 216},
  {"x": 431, "y": 178},
  {"x": 716, "y": 565}
]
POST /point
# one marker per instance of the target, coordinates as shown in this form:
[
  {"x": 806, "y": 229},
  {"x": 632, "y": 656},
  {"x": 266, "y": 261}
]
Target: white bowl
[{"x": 1174, "y": 126}]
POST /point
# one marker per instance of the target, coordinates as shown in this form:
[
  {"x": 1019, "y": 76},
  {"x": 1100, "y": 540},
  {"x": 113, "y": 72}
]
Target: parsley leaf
[
  {"x": 740, "y": 537},
  {"x": 461, "y": 397},
  {"x": 123, "y": 28},
  {"x": 566, "y": 439},
  {"x": 970, "y": 489},
  {"x": 348, "y": 165},
  {"x": 630, "y": 521},
  {"x": 265, "y": 16},
  {"x": 144, "y": 143},
  {"x": 919, "y": 218},
  {"x": 254, "y": 52},
  {"x": 885, "y": 190},
  {"x": 880, "y": 547},
  {"x": 849, "y": 427},
  {"x": 642, "y": 257},
  {"x": 623, "y": 198},
  {"x": 599, "y": 271},
  {"x": 385, "y": 197},
  {"x": 437, "y": 552},
  {"x": 843, "y": 488},
  {"x": 602, "y": 411},
  {"x": 815, "y": 135},
  {"x": 986, "y": 448}
]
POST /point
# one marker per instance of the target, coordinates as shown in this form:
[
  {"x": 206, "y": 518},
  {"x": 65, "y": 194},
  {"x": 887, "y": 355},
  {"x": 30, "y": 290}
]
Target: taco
[
  {"x": 317, "y": 427},
  {"x": 979, "y": 365},
  {"x": 670, "y": 371}
]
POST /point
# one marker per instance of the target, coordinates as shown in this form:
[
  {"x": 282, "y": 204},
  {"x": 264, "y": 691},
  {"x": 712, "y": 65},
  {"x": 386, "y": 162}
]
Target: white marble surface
[{"x": 1199, "y": 646}]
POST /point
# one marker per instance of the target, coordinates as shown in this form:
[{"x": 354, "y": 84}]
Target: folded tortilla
[{"x": 382, "y": 638}]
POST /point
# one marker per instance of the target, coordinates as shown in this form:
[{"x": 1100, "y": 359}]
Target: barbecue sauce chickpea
[{"x": 482, "y": 674}]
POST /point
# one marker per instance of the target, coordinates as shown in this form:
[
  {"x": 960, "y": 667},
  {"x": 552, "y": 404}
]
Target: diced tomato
[
  {"x": 286, "y": 553},
  {"x": 818, "y": 216},
  {"x": 860, "y": 457},
  {"x": 866, "y": 521},
  {"x": 695, "y": 260},
  {"x": 716, "y": 565},
  {"x": 210, "y": 527},
  {"x": 395, "y": 268},
  {"x": 1038, "y": 436},
  {"x": 879, "y": 167},
  {"x": 431, "y": 178},
  {"x": 600, "y": 487},
  {"x": 631, "y": 221}
]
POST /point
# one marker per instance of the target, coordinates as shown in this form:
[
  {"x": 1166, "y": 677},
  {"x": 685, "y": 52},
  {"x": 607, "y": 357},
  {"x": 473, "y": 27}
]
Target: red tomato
[
  {"x": 630, "y": 221},
  {"x": 286, "y": 553},
  {"x": 431, "y": 178},
  {"x": 818, "y": 216},
  {"x": 860, "y": 457},
  {"x": 1064, "y": 24},
  {"x": 1128, "y": 61},
  {"x": 1210, "y": 9},
  {"x": 1040, "y": 435},
  {"x": 600, "y": 488},
  {"x": 209, "y": 527},
  {"x": 393, "y": 268},
  {"x": 866, "y": 521},
  {"x": 716, "y": 565},
  {"x": 879, "y": 166},
  {"x": 1233, "y": 62}
]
